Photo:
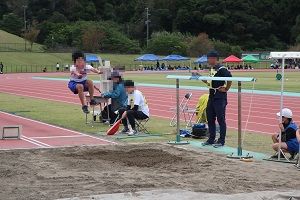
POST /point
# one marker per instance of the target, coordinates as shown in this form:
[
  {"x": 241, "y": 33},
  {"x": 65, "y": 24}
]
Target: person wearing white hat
[{"x": 288, "y": 128}]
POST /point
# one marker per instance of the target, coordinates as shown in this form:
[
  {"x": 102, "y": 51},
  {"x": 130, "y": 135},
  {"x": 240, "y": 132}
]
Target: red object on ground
[
  {"x": 232, "y": 59},
  {"x": 114, "y": 129}
]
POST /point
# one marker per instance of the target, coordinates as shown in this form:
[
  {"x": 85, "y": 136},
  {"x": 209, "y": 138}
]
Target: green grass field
[
  {"x": 71, "y": 117},
  {"x": 11, "y": 42},
  {"x": 35, "y": 62},
  {"x": 265, "y": 80},
  {"x": 15, "y": 60}
]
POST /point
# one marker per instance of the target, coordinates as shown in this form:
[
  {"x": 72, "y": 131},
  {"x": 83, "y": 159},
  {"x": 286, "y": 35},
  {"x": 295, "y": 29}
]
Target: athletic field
[{"x": 63, "y": 157}]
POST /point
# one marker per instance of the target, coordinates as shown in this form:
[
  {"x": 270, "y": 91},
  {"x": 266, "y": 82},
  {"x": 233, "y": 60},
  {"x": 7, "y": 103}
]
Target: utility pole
[
  {"x": 25, "y": 27},
  {"x": 147, "y": 24}
]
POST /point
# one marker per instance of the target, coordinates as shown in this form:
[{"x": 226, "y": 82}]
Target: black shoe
[
  {"x": 125, "y": 130},
  {"x": 93, "y": 102},
  {"x": 293, "y": 154},
  {"x": 218, "y": 144},
  {"x": 85, "y": 109},
  {"x": 207, "y": 143}
]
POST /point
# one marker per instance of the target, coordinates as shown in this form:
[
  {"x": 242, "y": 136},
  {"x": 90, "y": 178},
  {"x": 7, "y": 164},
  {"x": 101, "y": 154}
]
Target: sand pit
[{"x": 85, "y": 171}]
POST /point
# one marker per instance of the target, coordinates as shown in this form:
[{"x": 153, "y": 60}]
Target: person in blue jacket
[
  {"x": 288, "y": 128},
  {"x": 118, "y": 97}
]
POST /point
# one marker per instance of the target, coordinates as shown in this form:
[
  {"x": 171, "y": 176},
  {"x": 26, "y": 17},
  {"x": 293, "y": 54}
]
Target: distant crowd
[
  {"x": 162, "y": 67},
  {"x": 290, "y": 64}
]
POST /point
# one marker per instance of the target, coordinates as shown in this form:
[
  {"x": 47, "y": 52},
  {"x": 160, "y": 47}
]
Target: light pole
[
  {"x": 52, "y": 39},
  {"x": 25, "y": 27},
  {"x": 147, "y": 24}
]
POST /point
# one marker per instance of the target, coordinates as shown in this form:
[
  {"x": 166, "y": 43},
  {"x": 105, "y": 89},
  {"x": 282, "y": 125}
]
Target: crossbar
[
  {"x": 285, "y": 55},
  {"x": 209, "y": 78}
]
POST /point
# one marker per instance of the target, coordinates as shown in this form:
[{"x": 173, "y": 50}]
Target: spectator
[
  {"x": 57, "y": 67},
  {"x": 1, "y": 68},
  {"x": 66, "y": 67},
  {"x": 288, "y": 130}
]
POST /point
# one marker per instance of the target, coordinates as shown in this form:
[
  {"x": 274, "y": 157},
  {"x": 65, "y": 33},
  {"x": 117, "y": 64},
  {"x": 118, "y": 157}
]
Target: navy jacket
[{"x": 221, "y": 72}]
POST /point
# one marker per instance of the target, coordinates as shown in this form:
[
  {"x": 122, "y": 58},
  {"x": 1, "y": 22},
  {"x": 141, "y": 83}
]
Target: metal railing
[{"x": 20, "y": 47}]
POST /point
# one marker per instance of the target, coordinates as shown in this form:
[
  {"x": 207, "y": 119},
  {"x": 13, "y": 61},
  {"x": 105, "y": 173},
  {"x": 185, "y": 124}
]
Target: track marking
[
  {"x": 36, "y": 141},
  {"x": 64, "y": 129},
  {"x": 62, "y": 136},
  {"x": 32, "y": 142}
]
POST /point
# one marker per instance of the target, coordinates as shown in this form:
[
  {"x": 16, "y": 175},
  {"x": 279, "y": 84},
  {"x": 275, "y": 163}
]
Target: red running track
[
  {"x": 262, "y": 118},
  {"x": 41, "y": 135}
]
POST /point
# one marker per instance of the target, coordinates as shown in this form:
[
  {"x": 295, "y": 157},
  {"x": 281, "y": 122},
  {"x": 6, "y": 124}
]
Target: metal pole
[
  {"x": 147, "y": 24},
  {"x": 24, "y": 7},
  {"x": 281, "y": 104},
  {"x": 240, "y": 151},
  {"x": 177, "y": 111}
]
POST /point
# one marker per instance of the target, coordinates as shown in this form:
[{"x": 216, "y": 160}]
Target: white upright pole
[{"x": 281, "y": 103}]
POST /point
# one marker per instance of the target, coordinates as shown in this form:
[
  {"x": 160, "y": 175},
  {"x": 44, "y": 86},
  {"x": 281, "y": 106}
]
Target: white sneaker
[{"x": 132, "y": 132}]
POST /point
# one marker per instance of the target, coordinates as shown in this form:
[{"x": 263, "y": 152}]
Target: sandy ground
[{"x": 84, "y": 171}]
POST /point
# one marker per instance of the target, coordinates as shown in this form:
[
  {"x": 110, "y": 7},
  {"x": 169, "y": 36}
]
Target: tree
[
  {"x": 164, "y": 43},
  {"x": 12, "y": 23},
  {"x": 224, "y": 49},
  {"x": 57, "y": 18},
  {"x": 31, "y": 35},
  {"x": 295, "y": 31},
  {"x": 92, "y": 40},
  {"x": 199, "y": 45}
]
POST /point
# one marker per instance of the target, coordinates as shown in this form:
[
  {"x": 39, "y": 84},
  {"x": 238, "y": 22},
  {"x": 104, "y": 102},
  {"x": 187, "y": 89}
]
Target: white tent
[{"x": 283, "y": 56}]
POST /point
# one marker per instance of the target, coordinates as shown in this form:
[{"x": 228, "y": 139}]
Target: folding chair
[
  {"x": 183, "y": 107},
  {"x": 141, "y": 125},
  {"x": 200, "y": 111}
]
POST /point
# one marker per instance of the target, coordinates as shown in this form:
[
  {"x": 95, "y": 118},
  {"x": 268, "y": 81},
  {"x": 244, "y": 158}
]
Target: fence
[
  {"x": 32, "y": 68},
  {"x": 52, "y": 68},
  {"x": 20, "y": 47}
]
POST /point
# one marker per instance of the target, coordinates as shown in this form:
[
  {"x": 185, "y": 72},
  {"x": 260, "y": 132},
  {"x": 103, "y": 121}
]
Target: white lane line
[
  {"x": 36, "y": 141},
  {"x": 39, "y": 145},
  {"x": 53, "y": 126},
  {"x": 62, "y": 136}
]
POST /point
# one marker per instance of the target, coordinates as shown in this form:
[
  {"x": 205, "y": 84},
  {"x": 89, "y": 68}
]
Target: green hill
[
  {"x": 35, "y": 62},
  {"x": 11, "y": 42}
]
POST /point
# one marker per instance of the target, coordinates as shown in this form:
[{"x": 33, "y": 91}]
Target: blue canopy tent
[
  {"x": 175, "y": 57},
  {"x": 202, "y": 59},
  {"x": 148, "y": 57},
  {"x": 91, "y": 58}
]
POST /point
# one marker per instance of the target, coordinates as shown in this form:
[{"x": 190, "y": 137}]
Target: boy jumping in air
[{"x": 79, "y": 83}]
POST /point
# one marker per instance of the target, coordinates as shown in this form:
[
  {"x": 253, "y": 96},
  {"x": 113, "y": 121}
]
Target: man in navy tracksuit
[{"x": 217, "y": 102}]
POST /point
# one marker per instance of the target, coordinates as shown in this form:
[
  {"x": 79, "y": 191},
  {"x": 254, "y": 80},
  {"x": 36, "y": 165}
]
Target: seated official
[
  {"x": 288, "y": 128},
  {"x": 137, "y": 108},
  {"x": 118, "y": 98}
]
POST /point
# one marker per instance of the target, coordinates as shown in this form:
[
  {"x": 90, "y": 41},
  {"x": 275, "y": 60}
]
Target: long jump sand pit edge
[{"x": 109, "y": 169}]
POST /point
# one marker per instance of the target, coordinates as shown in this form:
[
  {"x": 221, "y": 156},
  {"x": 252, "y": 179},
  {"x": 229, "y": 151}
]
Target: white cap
[{"x": 286, "y": 113}]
